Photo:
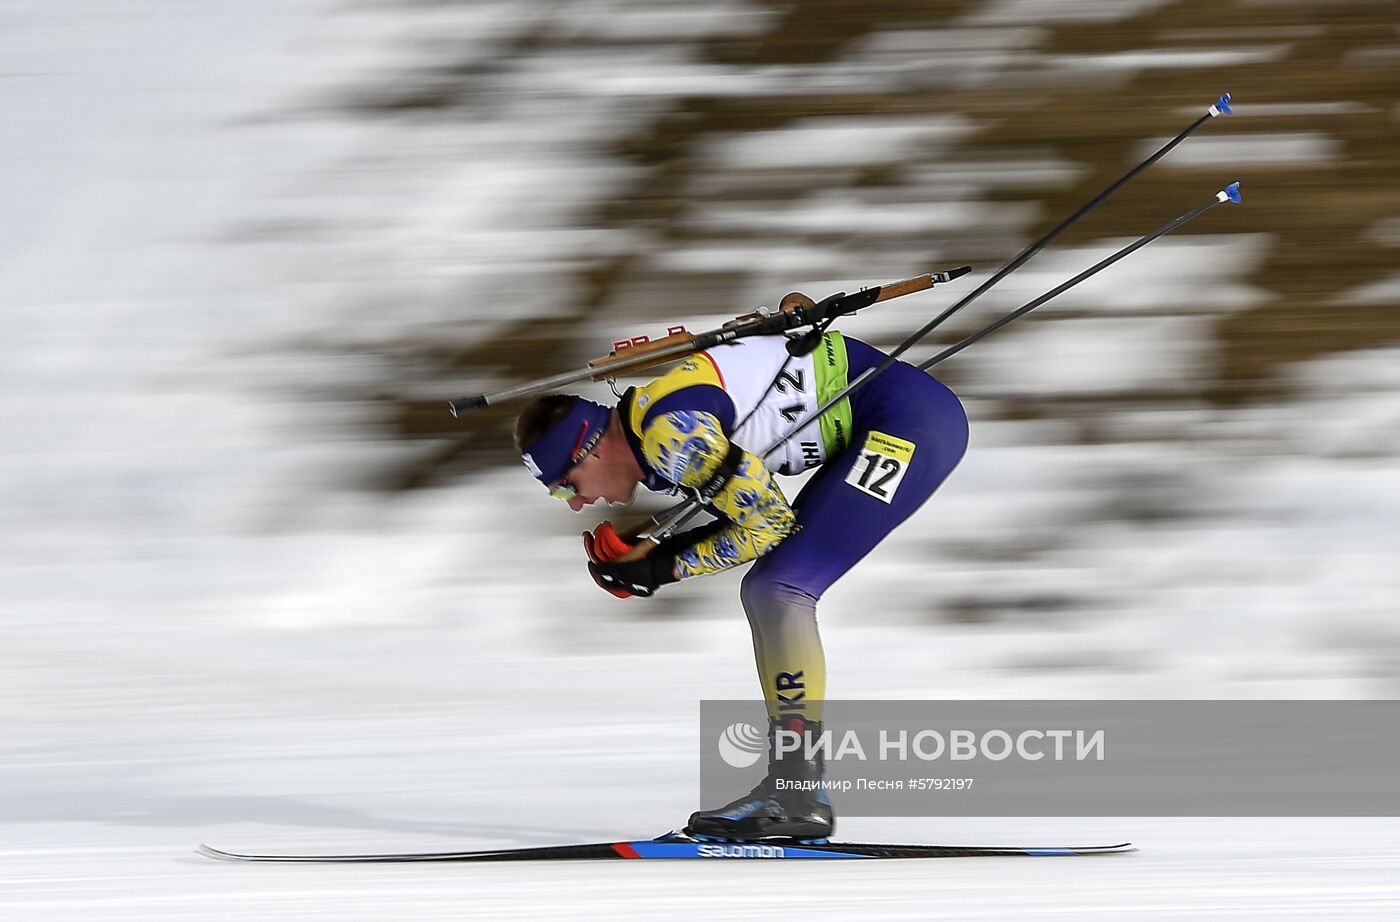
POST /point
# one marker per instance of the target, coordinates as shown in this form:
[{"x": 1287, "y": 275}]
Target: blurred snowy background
[{"x": 254, "y": 578}]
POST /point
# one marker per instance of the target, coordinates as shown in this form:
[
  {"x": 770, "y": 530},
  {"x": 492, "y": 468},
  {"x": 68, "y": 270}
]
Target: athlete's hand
[
  {"x": 604, "y": 544},
  {"x": 640, "y": 577}
]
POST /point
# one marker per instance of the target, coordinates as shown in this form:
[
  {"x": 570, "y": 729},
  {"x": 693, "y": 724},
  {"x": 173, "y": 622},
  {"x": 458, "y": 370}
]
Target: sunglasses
[{"x": 564, "y": 489}]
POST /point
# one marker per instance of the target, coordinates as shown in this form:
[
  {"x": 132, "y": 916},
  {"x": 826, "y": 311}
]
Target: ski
[{"x": 678, "y": 846}]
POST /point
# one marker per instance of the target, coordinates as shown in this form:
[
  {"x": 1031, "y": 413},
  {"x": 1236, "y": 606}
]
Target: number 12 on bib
[{"x": 881, "y": 465}]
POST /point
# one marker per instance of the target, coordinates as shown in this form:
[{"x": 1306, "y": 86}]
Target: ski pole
[
  {"x": 682, "y": 513},
  {"x": 1222, "y": 105},
  {"x": 671, "y": 519},
  {"x": 1230, "y": 193},
  {"x": 791, "y": 314},
  {"x": 678, "y": 515}
]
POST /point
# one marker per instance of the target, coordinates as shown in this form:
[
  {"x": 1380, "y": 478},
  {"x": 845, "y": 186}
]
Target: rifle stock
[{"x": 905, "y": 287}]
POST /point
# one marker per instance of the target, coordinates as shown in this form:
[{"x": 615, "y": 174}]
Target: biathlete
[{"x": 881, "y": 452}]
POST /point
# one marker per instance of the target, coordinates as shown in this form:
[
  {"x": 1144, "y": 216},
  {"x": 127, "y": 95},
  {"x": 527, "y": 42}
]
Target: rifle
[{"x": 795, "y": 310}]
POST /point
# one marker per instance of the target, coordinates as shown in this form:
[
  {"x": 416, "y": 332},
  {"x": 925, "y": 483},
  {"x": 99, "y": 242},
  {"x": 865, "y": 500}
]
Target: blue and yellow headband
[{"x": 567, "y": 442}]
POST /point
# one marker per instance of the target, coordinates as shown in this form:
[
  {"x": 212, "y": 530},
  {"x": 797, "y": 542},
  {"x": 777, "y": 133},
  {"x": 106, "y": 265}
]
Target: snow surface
[{"x": 207, "y": 634}]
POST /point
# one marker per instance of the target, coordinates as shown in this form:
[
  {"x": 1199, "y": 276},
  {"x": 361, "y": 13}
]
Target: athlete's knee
[{"x": 768, "y": 598}]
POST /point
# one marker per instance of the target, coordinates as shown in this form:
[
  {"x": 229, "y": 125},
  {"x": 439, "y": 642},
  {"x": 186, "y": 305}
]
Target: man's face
[{"x": 599, "y": 476}]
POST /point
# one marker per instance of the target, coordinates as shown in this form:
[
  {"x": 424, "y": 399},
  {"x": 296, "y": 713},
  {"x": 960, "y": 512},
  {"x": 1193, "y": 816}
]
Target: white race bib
[{"x": 881, "y": 465}]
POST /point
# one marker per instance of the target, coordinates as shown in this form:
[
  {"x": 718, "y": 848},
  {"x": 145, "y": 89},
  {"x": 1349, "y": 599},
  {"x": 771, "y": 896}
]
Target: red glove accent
[{"x": 603, "y": 545}]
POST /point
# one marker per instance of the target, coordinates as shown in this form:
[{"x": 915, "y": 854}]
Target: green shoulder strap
[{"x": 832, "y": 375}]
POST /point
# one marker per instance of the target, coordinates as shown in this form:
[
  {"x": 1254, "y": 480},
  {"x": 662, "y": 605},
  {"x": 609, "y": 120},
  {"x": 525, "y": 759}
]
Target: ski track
[{"x": 204, "y": 639}]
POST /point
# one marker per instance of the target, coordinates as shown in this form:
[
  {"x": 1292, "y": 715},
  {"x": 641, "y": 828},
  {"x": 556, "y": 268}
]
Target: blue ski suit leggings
[{"x": 847, "y": 508}]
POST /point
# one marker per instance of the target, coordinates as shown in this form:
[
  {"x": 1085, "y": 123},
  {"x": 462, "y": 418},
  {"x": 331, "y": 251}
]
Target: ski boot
[{"x": 787, "y": 803}]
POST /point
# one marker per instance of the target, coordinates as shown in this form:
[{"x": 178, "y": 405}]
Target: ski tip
[
  {"x": 1047, "y": 851},
  {"x": 1230, "y": 193},
  {"x": 959, "y": 272},
  {"x": 1222, "y": 106},
  {"x": 208, "y": 851}
]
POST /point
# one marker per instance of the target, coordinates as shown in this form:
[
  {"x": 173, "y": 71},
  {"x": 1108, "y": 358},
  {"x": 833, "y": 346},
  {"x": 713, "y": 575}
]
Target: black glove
[{"x": 636, "y": 577}]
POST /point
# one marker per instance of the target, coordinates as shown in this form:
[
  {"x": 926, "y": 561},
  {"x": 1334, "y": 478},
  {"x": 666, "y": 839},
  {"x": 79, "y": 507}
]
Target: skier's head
[{"x": 578, "y": 449}]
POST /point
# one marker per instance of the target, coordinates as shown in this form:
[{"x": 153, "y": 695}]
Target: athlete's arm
[{"x": 690, "y": 448}]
